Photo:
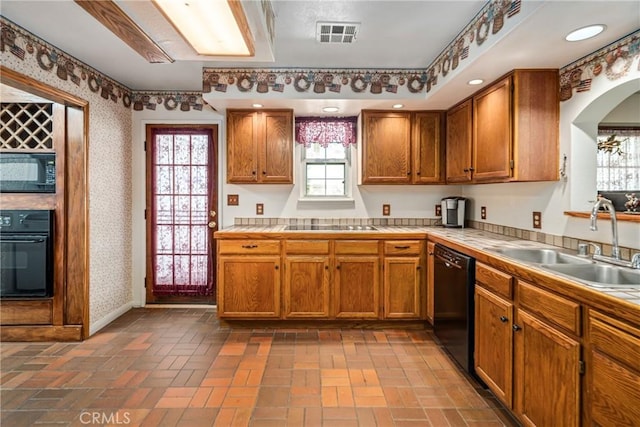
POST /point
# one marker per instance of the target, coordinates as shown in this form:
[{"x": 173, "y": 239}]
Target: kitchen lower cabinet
[
  {"x": 356, "y": 282},
  {"x": 612, "y": 372},
  {"x": 494, "y": 343},
  {"x": 249, "y": 286},
  {"x": 527, "y": 348},
  {"x": 547, "y": 374},
  {"x": 403, "y": 279},
  {"x": 248, "y": 279},
  {"x": 306, "y": 279}
]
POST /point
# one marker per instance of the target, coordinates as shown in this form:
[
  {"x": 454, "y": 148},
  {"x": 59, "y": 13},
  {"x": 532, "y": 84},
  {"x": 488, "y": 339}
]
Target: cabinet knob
[
  {"x": 417, "y": 173},
  {"x": 471, "y": 169},
  {"x": 277, "y": 267},
  {"x": 465, "y": 170},
  {"x": 408, "y": 172},
  {"x": 338, "y": 267},
  {"x": 516, "y": 328},
  {"x": 326, "y": 267},
  {"x": 503, "y": 319},
  {"x": 253, "y": 172},
  {"x": 418, "y": 268},
  {"x": 264, "y": 172}
]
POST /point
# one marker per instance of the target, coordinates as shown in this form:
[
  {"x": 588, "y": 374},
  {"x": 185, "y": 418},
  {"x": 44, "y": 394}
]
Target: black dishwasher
[{"x": 453, "y": 323}]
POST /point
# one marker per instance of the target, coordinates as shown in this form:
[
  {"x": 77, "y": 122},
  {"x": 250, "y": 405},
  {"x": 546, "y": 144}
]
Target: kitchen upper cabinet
[
  {"x": 428, "y": 147},
  {"x": 612, "y": 372},
  {"x": 403, "y": 279},
  {"x": 402, "y": 147},
  {"x": 260, "y": 146},
  {"x": 459, "y": 142},
  {"x": 514, "y": 127}
]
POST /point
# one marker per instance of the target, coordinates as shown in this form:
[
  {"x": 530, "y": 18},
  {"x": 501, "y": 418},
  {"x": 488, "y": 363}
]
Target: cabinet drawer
[
  {"x": 348, "y": 247},
  {"x": 403, "y": 247},
  {"x": 249, "y": 247},
  {"x": 551, "y": 307},
  {"x": 495, "y": 280},
  {"x": 619, "y": 340},
  {"x": 307, "y": 247}
]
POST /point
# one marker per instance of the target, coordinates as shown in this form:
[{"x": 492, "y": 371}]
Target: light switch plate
[
  {"x": 233, "y": 199},
  {"x": 483, "y": 212},
  {"x": 259, "y": 209},
  {"x": 386, "y": 210},
  {"x": 438, "y": 210},
  {"x": 537, "y": 220}
]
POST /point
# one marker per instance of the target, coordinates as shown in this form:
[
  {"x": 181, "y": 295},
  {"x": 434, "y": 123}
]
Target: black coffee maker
[{"x": 453, "y": 211}]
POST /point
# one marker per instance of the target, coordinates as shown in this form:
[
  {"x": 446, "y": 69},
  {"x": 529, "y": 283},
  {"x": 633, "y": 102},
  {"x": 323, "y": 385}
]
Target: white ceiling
[{"x": 394, "y": 34}]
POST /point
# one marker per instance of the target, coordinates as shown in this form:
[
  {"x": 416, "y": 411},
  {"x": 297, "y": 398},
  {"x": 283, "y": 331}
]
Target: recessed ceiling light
[
  {"x": 585, "y": 33},
  {"x": 475, "y": 82},
  {"x": 257, "y": 105},
  {"x": 398, "y": 105},
  {"x": 330, "y": 109}
]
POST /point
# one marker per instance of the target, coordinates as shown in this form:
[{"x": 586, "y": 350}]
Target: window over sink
[{"x": 326, "y": 156}]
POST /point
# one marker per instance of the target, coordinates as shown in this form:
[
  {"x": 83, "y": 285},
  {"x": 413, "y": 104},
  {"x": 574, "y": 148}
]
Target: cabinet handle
[
  {"x": 418, "y": 268},
  {"x": 277, "y": 267},
  {"x": 503, "y": 319},
  {"x": 249, "y": 246},
  {"x": 402, "y": 247},
  {"x": 516, "y": 328}
]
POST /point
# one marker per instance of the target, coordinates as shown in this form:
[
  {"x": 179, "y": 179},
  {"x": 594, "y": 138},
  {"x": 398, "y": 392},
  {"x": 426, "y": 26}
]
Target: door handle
[
  {"x": 212, "y": 214},
  {"x": 212, "y": 224}
]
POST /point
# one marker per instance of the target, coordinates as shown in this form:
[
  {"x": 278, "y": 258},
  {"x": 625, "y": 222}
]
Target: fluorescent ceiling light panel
[{"x": 211, "y": 27}]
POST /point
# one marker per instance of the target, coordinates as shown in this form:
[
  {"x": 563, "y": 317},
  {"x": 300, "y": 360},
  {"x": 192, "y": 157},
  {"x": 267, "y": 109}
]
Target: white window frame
[
  {"x": 348, "y": 177},
  {"x": 631, "y": 140}
]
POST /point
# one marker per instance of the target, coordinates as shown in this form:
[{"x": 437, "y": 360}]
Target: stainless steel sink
[
  {"x": 330, "y": 227},
  {"x": 598, "y": 274},
  {"x": 542, "y": 256}
]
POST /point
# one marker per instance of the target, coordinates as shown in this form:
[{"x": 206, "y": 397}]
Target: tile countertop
[{"x": 475, "y": 242}]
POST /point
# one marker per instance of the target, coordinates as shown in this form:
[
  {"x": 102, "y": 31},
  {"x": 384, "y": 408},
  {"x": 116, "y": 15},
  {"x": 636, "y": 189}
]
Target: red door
[{"x": 181, "y": 213}]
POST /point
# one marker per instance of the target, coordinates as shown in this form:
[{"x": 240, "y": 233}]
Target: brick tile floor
[{"x": 180, "y": 367}]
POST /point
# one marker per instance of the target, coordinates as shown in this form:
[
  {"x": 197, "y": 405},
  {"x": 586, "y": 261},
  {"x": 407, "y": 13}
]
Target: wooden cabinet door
[
  {"x": 547, "y": 378},
  {"x": 306, "y": 287},
  {"x": 357, "y": 287},
  {"x": 459, "y": 143},
  {"x": 249, "y": 286},
  {"x": 242, "y": 147},
  {"x": 494, "y": 343},
  {"x": 428, "y": 147},
  {"x": 276, "y": 155},
  {"x": 430, "y": 281},
  {"x": 386, "y": 147},
  {"x": 612, "y": 372},
  {"x": 401, "y": 285},
  {"x": 492, "y": 154}
]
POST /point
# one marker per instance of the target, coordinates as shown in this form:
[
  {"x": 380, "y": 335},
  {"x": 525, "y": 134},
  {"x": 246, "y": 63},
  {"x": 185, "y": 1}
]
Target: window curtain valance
[{"x": 326, "y": 130}]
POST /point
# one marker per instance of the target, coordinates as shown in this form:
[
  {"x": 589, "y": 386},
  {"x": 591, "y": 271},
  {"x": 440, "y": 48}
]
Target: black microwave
[{"x": 27, "y": 172}]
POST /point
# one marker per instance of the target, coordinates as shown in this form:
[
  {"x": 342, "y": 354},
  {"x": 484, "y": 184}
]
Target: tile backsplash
[{"x": 536, "y": 236}]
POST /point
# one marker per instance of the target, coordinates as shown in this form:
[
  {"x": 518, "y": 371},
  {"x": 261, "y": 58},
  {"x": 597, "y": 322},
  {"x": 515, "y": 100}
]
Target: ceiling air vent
[{"x": 337, "y": 32}]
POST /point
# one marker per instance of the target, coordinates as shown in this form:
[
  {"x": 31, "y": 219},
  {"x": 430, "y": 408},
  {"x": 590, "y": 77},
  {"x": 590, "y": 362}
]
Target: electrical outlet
[
  {"x": 233, "y": 200},
  {"x": 537, "y": 220},
  {"x": 438, "y": 210},
  {"x": 386, "y": 210},
  {"x": 259, "y": 208},
  {"x": 483, "y": 212}
]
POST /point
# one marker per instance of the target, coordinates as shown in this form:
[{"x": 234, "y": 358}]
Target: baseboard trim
[{"x": 99, "y": 324}]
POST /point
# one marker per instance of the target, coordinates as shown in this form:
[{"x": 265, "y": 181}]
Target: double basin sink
[{"x": 576, "y": 267}]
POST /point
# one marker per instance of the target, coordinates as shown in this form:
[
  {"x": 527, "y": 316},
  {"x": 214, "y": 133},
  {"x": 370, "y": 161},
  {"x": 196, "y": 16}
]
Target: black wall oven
[{"x": 26, "y": 253}]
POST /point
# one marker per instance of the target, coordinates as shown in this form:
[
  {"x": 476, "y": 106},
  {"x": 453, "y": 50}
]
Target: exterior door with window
[{"x": 181, "y": 213}]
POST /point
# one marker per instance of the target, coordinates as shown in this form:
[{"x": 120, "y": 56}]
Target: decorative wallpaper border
[
  {"x": 613, "y": 61},
  {"x": 489, "y": 21},
  {"x": 27, "y": 46}
]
